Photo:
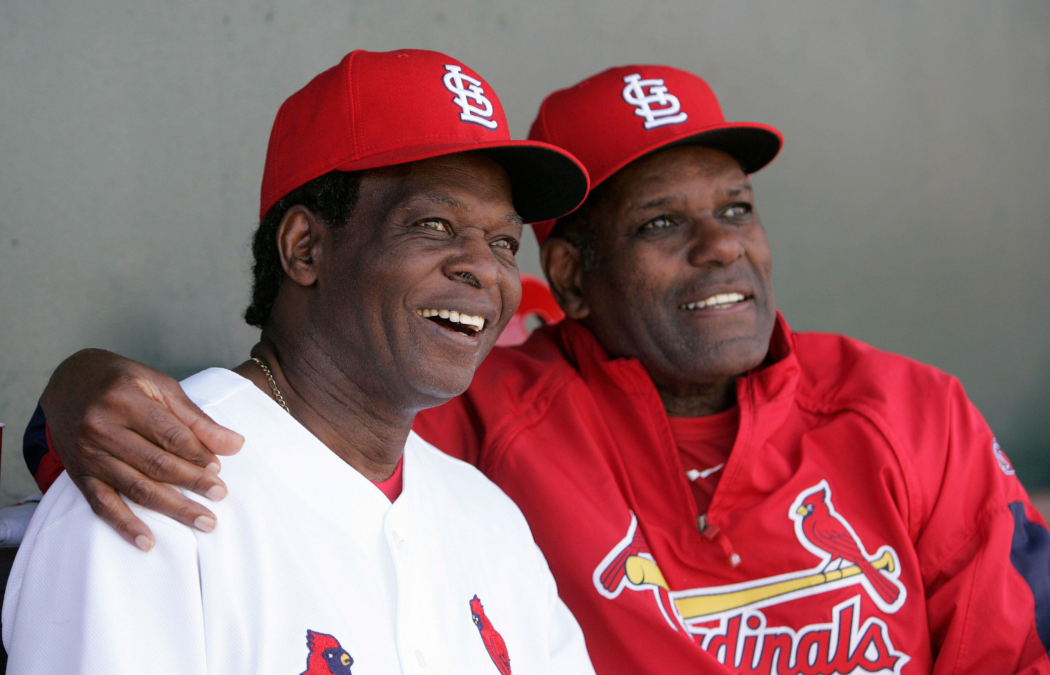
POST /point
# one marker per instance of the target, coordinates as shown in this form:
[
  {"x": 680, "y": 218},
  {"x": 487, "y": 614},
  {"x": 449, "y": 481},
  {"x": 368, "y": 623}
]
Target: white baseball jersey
[{"x": 311, "y": 571}]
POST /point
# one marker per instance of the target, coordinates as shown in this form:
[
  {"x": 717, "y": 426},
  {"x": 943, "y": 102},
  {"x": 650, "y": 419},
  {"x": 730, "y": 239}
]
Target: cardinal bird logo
[
  {"x": 827, "y": 535},
  {"x": 327, "y": 657},
  {"x": 494, "y": 644}
]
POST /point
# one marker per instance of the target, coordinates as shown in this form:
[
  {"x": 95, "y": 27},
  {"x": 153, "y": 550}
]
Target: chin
[
  {"x": 725, "y": 359},
  {"x": 439, "y": 384}
]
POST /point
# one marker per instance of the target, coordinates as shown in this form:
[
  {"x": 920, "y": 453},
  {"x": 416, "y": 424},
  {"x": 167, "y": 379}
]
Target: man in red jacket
[{"x": 713, "y": 492}]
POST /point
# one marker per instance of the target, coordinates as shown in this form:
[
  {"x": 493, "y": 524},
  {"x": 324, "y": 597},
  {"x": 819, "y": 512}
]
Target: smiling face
[
  {"x": 682, "y": 275},
  {"x": 411, "y": 294}
]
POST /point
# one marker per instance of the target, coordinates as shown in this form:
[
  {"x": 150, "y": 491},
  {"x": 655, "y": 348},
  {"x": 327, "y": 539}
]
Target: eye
[
  {"x": 657, "y": 223},
  {"x": 434, "y": 224},
  {"x": 737, "y": 211},
  {"x": 507, "y": 243}
]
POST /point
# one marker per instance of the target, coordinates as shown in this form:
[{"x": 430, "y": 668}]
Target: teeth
[
  {"x": 718, "y": 301},
  {"x": 476, "y": 323}
]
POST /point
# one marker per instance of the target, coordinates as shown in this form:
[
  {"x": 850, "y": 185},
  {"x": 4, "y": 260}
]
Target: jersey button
[{"x": 420, "y": 659}]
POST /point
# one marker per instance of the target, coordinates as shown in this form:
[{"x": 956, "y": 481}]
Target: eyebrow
[
  {"x": 666, "y": 200},
  {"x": 439, "y": 198},
  {"x": 451, "y": 202},
  {"x": 656, "y": 203}
]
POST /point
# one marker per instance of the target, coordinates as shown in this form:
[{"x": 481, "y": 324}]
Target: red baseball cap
[
  {"x": 381, "y": 108},
  {"x": 619, "y": 115}
]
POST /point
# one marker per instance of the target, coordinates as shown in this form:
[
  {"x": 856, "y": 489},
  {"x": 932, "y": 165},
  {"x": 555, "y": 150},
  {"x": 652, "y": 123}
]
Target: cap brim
[
  {"x": 752, "y": 145},
  {"x": 544, "y": 179},
  {"x": 546, "y": 182}
]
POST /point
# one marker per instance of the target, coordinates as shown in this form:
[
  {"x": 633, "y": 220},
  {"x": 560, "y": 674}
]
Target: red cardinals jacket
[{"x": 867, "y": 520}]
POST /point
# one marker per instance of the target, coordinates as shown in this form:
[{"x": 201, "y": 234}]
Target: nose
[
  {"x": 473, "y": 262},
  {"x": 714, "y": 243}
]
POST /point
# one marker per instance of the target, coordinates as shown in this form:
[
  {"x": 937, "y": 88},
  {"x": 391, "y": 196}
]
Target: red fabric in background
[{"x": 50, "y": 467}]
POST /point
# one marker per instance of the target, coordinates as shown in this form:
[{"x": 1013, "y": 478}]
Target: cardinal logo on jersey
[
  {"x": 652, "y": 101},
  {"x": 728, "y": 620},
  {"x": 827, "y": 535},
  {"x": 490, "y": 637},
  {"x": 470, "y": 97},
  {"x": 326, "y": 657}
]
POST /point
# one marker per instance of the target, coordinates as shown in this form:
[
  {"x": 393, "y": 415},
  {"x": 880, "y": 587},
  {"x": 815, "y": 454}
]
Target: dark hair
[
  {"x": 578, "y": 228},
  {"x": 331, "y": 198}
]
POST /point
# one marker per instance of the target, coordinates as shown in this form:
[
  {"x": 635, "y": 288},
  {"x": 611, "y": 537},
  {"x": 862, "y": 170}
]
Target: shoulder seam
[
  {"x": 862, "y": 408},
  {"x": 515, "y": 425},
  {"x": 148, "y": 515},
  {"x": 236, "y": 390},
  {"x": 981, "y": 521}
]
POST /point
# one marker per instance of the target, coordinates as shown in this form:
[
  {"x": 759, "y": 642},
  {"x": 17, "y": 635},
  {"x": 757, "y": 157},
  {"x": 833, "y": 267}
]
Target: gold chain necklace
[{"x": 273, "y": 384}]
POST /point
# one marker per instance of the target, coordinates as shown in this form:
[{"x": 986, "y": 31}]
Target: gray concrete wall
[{"x": 910, "y": 206}]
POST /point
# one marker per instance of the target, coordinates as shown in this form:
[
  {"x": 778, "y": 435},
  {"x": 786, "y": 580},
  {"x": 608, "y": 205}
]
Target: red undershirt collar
[{"x": 391, "y": 487}]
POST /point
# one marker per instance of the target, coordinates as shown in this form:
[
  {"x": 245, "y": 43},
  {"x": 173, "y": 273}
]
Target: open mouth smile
[
  {"x": 454, "y": 320},
  {"x": 717, "y": 301}
]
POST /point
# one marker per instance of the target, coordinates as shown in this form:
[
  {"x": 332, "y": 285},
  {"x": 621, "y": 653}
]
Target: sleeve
[
  {"x": 40, "y": 456},
  {"x": 454, "y": 428},
  {"x": 984, "y": 551},
  {"x": 568, "y": 651},
  {"x": 80, "y": 600}
]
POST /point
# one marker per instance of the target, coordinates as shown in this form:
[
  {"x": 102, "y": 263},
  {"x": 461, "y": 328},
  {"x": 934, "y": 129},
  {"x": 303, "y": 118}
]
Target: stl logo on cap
[
  {"x": 669, "y": 110},
  {"x": 454, "y": 80}
]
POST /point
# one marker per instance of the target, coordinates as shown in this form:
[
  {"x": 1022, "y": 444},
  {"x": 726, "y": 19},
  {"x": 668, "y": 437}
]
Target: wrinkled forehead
[
  {"x": 671, "y": 167},
  {"x": 669, "y": 174},
  {"x": 467, "y": 182}
]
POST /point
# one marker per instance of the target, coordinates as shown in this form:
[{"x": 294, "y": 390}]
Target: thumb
[{"x": 215, "y": 437}]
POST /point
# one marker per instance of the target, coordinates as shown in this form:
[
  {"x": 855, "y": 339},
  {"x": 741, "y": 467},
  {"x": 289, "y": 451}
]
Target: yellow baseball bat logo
[{"x": 642, "y": 571}]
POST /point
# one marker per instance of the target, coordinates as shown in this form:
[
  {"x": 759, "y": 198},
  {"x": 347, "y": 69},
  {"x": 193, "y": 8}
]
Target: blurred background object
[
  {"x": 910, "y": 206},
  {"x": 14, "y": 520},
  {"x": 537, "y": 307}
]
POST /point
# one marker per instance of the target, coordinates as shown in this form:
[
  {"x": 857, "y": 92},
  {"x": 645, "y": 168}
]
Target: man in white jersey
[{"x": 392, "y": 205}]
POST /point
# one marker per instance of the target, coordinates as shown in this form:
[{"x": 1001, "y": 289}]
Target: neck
[
  {"x": 353, "y": 424},
  {"x": 698, "y": 400}
]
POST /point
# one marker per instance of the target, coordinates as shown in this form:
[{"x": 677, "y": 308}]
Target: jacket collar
[{"x": 645, "y": 456}]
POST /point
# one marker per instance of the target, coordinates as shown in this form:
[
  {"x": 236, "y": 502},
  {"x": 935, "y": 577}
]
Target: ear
[
  {"x": 299, "y": 238},
  {"x": 563, "y": 265}
]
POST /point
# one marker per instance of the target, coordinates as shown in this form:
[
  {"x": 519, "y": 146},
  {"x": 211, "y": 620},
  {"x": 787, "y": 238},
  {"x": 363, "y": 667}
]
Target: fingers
[
  {"x": 123, "y": 428},
  {"x": 180, "y": 427},
  {"x": 158, "y": 463},
  {"x": 108, "y": 506},
  {"x": 217, "y": 438},
  {"x": 114, "y": 476},
  {"x": 164, "y": 430}
]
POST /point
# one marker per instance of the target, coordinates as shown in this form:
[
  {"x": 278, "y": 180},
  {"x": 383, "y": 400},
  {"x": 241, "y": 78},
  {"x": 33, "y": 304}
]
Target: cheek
[
  {"x": 758, "y": 251},
  {"x": 510, "y": 293},
  {"x": 396, "y": 275},
  {"x": 374, "y": 290},
  {"x": 632, "y": 290}
]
